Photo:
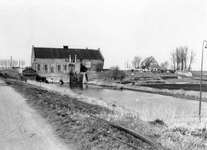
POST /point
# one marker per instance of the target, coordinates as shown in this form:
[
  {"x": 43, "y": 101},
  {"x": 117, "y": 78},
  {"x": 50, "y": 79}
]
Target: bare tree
[
  {"x": 192, "y": 59},
  {"x": 1, "y": 63},
  {"x": 183, "y": 57},
  {"x": 136, "y": 62},
  {"x": 164, "y": 65},
  {"x": 22, "y": 63},
  {"x": 180, "y": 58},
  {"x": 15, "y": 63},
  {"x": 173, "y": 58},
  {"x": 7, "y": 63}
]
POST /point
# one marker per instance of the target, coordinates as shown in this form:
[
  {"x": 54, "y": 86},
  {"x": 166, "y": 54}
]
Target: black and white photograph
[{"x": 103, "y": 75}]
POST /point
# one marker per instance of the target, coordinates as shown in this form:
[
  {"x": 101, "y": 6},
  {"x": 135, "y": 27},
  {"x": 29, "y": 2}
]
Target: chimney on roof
[
  {"x": 65, "y": 47},
  {"x": 86, "y": 47}
]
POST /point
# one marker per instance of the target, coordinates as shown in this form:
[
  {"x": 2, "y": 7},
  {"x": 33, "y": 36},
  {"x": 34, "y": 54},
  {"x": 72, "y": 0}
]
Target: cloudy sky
[{"x": 120, "y": 28}]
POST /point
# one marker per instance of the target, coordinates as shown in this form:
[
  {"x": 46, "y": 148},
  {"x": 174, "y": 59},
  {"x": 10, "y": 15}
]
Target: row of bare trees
[
  {"x": 8, "y": 63},
  {"x": 181, "y": 58},
  {"x": 136, "y": 62}
]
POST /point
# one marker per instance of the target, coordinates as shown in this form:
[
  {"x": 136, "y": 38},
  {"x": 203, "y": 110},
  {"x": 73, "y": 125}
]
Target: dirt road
[{"x": 21, "y": 128}]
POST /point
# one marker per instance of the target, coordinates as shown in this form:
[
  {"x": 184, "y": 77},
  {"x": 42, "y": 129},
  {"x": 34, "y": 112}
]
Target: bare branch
[{"x": 136, "y": 62}]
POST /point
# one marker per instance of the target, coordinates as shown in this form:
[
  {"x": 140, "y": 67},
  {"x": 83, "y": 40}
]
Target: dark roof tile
[{"x": 60, "y": 53}]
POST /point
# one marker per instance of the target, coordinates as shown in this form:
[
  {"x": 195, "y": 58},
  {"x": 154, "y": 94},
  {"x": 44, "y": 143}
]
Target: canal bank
[
  {"x": 75, "y": 120},
  {"x": 149, "y": 106},
  {"x": 184, "y": 94}
]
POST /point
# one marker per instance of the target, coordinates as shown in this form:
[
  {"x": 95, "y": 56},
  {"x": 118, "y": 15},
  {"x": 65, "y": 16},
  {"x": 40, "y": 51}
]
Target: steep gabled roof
[
  {"x": 148, "y": 61},
  {"x": 62, "y": 53}
]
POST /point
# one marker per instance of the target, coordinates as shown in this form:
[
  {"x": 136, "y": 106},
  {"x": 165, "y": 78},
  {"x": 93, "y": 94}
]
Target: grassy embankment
[
  {"x": 144, "y": 82},
  {"x": 72, "y": 121},
  {"x": 170, "y": 114},
  {"x": 70, "y": 116}
]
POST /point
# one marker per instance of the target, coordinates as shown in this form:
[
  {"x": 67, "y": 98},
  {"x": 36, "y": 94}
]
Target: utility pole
[{"x": 201, "y": 78}]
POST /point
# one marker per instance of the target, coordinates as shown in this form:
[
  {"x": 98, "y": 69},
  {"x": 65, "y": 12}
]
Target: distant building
[
  {"x": 150, "y": 63},
  {"x": 29, "y": 74},
  {"x": 58, "y": 63}
]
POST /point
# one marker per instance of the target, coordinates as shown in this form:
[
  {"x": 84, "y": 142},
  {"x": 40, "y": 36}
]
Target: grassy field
[
  {"x": 141, "y": 77},
  {"x": 187, "y": 87}
]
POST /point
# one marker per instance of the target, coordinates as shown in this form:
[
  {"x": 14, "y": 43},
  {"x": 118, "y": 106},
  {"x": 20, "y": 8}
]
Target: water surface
[{"x": 142, "y": 102}]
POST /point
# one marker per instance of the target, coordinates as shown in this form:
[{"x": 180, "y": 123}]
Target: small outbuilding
[{"x": 29, "y": 73}]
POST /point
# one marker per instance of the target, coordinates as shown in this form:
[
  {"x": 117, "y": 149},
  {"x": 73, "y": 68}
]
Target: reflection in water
[{"x": 78, "y": 86}]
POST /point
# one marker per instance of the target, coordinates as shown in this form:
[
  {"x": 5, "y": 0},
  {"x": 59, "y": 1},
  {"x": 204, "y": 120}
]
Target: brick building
[{"x": 57, "y": 63}]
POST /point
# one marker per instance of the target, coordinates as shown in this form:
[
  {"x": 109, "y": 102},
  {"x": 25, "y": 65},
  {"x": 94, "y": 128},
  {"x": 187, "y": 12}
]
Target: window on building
[
  {"x": 38, "y": 67},
  {"x": 46, "y": 68},
  {"x": 59, "y": 67},
  {"x": 71, "y": 68},
  {"x": 65, "y": 67},
  {"x": 52, "y": 69}
]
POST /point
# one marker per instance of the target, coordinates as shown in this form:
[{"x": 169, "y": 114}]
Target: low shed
[{"x": 29, "y": 74}]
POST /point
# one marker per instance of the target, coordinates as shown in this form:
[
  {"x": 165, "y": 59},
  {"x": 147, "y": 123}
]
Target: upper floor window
[
  {"x": 46, "y": 68},
  {"x": 71, "y": 68},
  {"x": 38, "y": 67},
  {"x": 65, "y": 67},
  {"x": 52, "y": 69},
  {"x": 59, "y": 67}
]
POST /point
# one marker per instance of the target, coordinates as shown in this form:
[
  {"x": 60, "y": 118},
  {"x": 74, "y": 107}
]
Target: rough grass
[
  {"x": 70, "y": 114},
  {"x": 72, "y": 121},
  {"x": 151, "y": 111},
  {"x": 11, "y": 73},
  {"x": 173, "y": 116},
  {"x": 186, "y": 87}
]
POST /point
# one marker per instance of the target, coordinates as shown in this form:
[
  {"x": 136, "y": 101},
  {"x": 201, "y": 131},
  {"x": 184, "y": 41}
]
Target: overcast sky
[{"x": 120, "y": 28}]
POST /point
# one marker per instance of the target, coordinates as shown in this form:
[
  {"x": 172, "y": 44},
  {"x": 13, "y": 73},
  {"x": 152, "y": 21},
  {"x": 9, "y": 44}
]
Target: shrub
[
  {"x": 117, "y": 73},
  {"x": 99, "y": 67}
]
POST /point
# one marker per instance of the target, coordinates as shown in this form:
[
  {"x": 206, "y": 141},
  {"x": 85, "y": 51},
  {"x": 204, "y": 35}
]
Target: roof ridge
[
  {"x": 67, "y": 48},
  {"x": 61, "y": 53}
]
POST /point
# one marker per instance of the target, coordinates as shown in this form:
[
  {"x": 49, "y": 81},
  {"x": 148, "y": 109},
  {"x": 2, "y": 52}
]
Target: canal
[{"x": 149, "y": 106}]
